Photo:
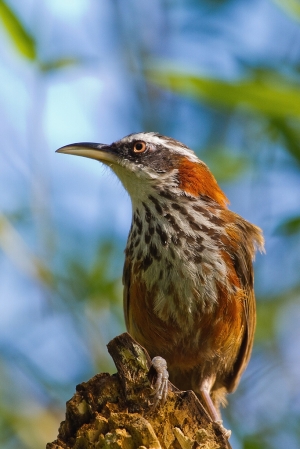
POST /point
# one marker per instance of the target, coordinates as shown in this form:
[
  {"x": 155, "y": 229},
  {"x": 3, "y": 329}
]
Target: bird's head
[{"x": 144, "y": 161}]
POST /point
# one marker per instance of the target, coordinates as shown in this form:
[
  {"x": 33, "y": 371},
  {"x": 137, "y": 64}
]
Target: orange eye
[{"x": 139, "y": 147}]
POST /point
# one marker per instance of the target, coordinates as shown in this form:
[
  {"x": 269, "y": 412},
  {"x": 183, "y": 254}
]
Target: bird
[{"x": 188, "y": 271}]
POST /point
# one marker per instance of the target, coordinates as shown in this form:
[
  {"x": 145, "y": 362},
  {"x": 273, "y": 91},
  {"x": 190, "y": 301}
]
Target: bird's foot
[
  {"x": 226, "y": 432},
  {"x": 161, "y": 384}
]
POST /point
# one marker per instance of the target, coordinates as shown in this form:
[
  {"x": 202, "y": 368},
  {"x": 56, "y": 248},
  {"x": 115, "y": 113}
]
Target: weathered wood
[{"x": 115, "y": 411}]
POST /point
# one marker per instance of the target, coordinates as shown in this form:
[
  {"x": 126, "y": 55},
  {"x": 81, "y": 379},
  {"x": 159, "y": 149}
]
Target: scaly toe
[
  {"x": 161, "y": 385},
  {"x": 226, "y": 432}
]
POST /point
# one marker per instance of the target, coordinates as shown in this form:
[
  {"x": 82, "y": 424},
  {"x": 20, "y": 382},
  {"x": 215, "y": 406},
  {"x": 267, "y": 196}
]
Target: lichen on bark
[{"x": 114, "y": 411}]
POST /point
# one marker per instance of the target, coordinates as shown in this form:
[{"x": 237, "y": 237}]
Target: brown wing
[
  {"x": 126, "y": 292},
  {"x": 245, "y": 238}
]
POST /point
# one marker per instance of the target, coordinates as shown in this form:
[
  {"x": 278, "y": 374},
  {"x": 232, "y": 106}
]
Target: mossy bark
[{"x": 115, "y": 411}]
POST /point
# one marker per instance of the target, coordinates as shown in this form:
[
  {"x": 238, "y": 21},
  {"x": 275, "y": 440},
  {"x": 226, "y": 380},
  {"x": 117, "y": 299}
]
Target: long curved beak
[{"x": 98, "y": 151}]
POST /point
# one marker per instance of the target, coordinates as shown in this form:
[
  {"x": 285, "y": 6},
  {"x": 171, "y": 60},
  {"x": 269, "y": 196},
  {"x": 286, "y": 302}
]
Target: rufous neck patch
[{"x": 196, "y": 179}]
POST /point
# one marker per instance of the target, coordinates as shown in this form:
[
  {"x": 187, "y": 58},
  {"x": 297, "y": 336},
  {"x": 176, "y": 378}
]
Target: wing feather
[{"x": 245, "y": 240}]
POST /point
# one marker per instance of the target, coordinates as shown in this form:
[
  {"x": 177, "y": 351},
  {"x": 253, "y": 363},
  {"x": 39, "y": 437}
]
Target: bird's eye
[{"x": 139, "y": 147}]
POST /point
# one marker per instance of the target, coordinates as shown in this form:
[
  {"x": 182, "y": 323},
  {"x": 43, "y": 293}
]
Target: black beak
[{"x": 97, "y": 151}]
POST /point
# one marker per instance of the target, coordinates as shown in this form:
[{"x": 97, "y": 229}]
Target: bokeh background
[{"x": 223, "y": 76}]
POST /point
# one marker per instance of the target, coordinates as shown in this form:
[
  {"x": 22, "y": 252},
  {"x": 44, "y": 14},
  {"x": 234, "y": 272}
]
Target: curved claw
[
  {"x": 226, "y": 432},
  {"x": 161, "y": 385}
]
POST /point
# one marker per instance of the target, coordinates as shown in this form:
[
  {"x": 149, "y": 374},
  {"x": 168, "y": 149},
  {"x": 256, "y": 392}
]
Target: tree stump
[{"x": 115, "y": 411}]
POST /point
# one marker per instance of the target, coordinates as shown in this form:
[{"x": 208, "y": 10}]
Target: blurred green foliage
[
  {"x": 20, "y": 37},
  {"x": 289, "y": 226},
  {"x": 291, "y": 7},
  {"x": 263, "y": 93}
]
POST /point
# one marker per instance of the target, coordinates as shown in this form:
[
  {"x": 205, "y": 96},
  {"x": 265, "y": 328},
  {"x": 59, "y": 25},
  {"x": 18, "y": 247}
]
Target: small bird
[{"x": 188, "y": 274}]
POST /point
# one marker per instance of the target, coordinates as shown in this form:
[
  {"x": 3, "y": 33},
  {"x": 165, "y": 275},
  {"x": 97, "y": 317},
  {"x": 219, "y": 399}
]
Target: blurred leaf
[
  {"x": 289, "y": 134},
  {"x": 22, "y": 39},
  {"x": 224, "y": 165},
  {"x": 291, "y": 226},
  {"x": 268, "y": 311},
  {"x": 254, "y": 442},
  {"x": 32, "y": 428},
  {"x": 58, "y": 64},
  {"x": 291, "y": 7},
  {"x": 275, "y": 99},
  {"x": 13, "y": 245},
  {"x": 93, "y": 282}
]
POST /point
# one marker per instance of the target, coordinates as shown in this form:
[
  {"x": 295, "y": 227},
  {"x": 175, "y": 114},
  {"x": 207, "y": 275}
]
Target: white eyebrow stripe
[{"x": 154, "y": 139}]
